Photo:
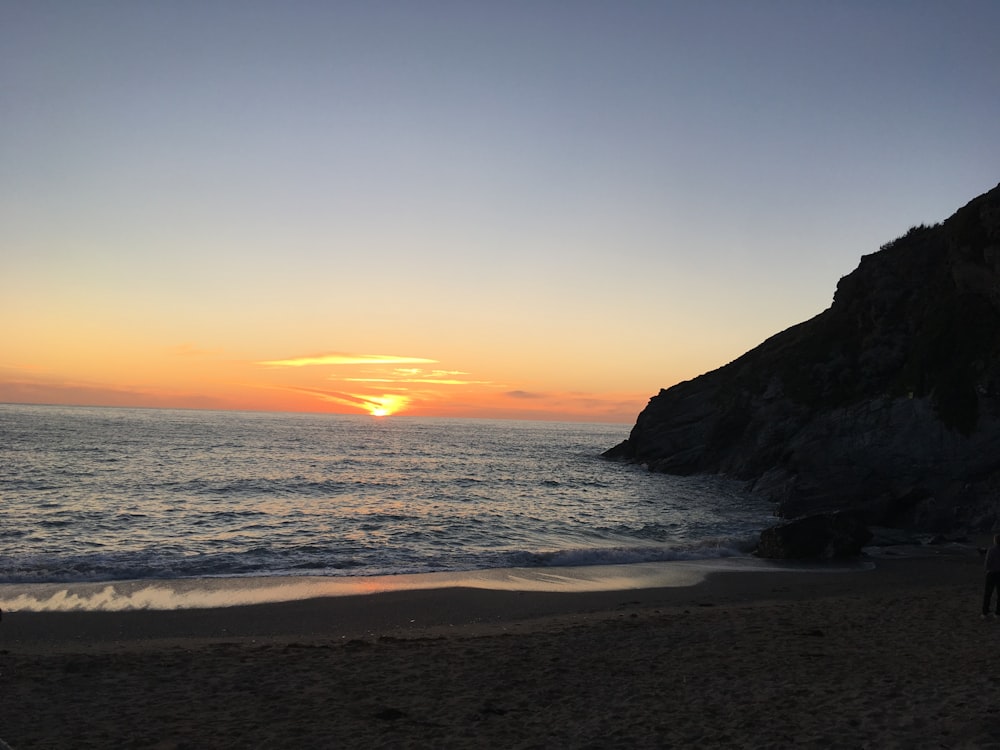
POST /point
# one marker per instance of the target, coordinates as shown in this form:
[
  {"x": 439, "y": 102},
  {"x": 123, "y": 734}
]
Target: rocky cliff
[{"x": 887, "y": 402}]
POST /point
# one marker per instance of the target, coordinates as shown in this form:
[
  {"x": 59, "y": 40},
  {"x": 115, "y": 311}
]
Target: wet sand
[{"x": 893, "y": 657}]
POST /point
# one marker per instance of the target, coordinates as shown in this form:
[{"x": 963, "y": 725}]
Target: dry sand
[{"x": 897, "y": 657}]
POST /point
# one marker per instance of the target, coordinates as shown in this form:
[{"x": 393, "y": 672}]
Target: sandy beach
[{"x": 895, "y": 657}]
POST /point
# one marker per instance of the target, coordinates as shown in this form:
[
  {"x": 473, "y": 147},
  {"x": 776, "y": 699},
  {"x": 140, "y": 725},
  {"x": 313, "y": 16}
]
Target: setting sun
[{"x": 386, "y": 405}]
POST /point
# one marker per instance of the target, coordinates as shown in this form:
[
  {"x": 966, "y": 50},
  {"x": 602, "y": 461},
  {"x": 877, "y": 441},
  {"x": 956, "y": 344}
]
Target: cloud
[
  {"x": 90, "y": 394},
  {"x": 432, "y": 381},
  {"x": 386, "y": 403},
  {"x": 21, "y": 367},
  {"x": 346, "y": 359},
  {"x": 418, "y": 375},
  {"x": 414, "y": 372},
  {"x": 336, "y": 397},
  {"x": 524, "y": 394}
]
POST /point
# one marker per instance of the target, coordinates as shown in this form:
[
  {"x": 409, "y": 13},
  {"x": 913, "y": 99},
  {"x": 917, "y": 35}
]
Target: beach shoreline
[
  {"x": 417, "y": 609},
  {"x": 896, "y": 656},
  {"x": 226, "y": 591}
]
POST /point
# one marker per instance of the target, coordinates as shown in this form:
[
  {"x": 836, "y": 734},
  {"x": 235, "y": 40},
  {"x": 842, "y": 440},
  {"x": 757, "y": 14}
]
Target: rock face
[{"x": 887, "y": 402}]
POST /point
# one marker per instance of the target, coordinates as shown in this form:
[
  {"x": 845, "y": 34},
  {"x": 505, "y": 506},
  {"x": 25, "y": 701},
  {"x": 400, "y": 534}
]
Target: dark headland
[{"x": 886, "y": 403}]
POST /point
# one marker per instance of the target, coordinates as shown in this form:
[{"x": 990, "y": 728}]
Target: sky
[{"x": 527, "y": 210}]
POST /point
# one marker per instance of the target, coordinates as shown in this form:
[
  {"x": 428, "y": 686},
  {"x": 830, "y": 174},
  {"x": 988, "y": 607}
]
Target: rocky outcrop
[
  {"x": 887, "y": 402},
  {"x": 825, "y": 536}
]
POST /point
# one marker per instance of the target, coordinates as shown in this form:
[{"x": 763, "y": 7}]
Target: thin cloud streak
[
  {"x": 96, "y": 394},
  {"x": 337, "y": 359},
  {"x": 432, "y": 381},
  {"x": 336, "y": 397},
  {"x": 416, "y": 375},
  {"x": 388, "y": 403}
]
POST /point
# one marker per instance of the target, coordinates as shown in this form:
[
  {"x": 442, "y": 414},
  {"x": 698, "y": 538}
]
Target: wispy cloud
[
  {"x": 47, "y": 391},
  {"x": 431, "y": 381},
  {"x": 333, "y": 359},
  {"x": 524, "y": 394},
  {"x": 336, "y": 397},
  {"x": 416, "y": 372},
  {"x": 22, "y": 367},
  {"x": 419, "y": 376},
  {"x": 386, "y": 403}
]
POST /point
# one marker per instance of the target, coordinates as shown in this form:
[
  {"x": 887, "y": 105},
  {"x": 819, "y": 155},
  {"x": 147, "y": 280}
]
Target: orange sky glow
[
  {"x": 381, "y": 385},
  {"x": 497, "y": 210}
]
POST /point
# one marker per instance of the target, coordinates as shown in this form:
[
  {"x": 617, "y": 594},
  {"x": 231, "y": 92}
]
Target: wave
[
  {"x": 706, "y": 549},
  {"x": 319, "y": 560},
  {"x": 271, "y": 487}
]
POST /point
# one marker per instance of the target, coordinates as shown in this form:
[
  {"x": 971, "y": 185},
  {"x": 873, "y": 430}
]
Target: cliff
[{"x": 887, "y": 402}]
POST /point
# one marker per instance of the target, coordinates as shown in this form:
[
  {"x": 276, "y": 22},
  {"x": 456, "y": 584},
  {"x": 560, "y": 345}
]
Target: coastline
[
  {"x": 223, "y": 591},
  {"x": 896, "y": 656}
]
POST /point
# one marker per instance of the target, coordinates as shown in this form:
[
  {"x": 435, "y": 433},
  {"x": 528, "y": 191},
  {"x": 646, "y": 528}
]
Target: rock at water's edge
[{"x": 825, "y": 536}]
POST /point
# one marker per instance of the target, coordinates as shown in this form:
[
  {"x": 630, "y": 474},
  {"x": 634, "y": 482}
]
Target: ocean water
[{"x": 93, "y": 495}]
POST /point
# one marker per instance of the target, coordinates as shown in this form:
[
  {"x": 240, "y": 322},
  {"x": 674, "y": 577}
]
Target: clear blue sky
[{"x": 571, "y": 204}]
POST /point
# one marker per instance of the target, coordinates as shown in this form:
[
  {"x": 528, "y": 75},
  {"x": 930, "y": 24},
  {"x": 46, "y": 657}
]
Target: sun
[{"x": 385, "y": 405}]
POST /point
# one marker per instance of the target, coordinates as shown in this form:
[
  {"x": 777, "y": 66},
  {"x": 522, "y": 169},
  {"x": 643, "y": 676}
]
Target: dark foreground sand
[{"x": 897, "y": 657}]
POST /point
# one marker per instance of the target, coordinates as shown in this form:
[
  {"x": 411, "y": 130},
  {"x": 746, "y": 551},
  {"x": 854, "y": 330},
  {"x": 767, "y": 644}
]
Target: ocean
[{"x": 93, "y": 497}]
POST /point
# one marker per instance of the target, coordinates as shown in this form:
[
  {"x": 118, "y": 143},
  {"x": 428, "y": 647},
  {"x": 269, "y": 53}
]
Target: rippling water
[{"x": 99, "y": 494}]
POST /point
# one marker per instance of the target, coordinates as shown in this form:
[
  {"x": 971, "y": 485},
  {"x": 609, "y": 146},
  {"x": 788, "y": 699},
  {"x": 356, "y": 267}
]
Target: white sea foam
[{"x": 230, "y": 592}]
